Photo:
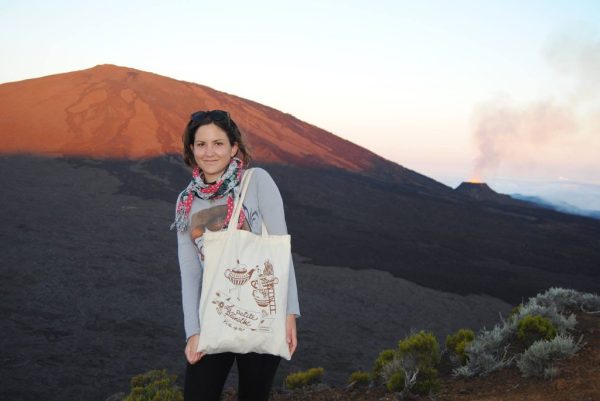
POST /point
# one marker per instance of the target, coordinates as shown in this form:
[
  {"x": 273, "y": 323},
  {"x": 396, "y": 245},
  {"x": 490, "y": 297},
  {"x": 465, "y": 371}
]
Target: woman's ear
[{"x": 234, "y": 149}]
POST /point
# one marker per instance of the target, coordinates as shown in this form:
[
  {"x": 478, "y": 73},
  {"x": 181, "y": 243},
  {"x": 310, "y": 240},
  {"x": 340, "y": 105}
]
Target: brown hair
[{"x": 228, "y": 125}]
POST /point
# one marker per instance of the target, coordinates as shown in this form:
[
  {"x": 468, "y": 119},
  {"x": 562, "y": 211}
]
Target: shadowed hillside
[
  {"x": 462, "y": 246},
  {"x": 91, "y": 287}
]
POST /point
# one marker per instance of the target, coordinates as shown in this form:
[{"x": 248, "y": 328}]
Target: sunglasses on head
[{"x": 214, "y": 115}]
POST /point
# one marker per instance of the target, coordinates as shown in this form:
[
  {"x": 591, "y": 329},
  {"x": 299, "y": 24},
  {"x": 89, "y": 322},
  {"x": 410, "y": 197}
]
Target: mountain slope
[
  {"x": 117, "y": 112},
  {"x": 344, "y": 205}
]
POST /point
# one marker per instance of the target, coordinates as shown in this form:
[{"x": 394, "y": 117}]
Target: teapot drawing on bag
[{"x": 238, "y": 277}]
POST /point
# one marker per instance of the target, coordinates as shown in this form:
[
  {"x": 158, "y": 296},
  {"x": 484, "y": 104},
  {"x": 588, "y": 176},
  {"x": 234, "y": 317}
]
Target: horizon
[{"x": 430, "y": 88}]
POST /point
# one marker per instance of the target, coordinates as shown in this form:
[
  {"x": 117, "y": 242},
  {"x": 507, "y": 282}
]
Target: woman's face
[{"x": 212, "y": 151}]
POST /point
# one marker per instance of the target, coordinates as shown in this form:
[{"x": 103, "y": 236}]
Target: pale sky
[{"x": 411, "y": 81}]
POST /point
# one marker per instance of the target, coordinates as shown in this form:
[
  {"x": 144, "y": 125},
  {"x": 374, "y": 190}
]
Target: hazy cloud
[{"x": 507, "y": 132}]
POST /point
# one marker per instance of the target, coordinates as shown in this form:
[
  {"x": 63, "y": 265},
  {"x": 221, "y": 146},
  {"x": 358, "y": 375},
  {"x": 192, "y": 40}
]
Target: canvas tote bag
[{"x": 243, "y": 306}]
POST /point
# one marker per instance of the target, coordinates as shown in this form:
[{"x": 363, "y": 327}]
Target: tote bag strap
[
  {"x": 235, "y": 216},
  {"x": 237, "y": 208}
]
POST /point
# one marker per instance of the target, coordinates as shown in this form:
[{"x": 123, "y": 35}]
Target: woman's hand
[
  {"x": 190, "y": 349},
  {"x": 290, "y": 330}
]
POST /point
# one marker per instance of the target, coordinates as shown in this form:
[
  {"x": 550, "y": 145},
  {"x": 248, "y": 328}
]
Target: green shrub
[
  {"x": 396, "y": 382},
  {"x": 533, "y": 307},
  {"x": 427, "y": 382},
  {"x": 155, "y": 385},
  {"x": 412, "y": 368},
  {"x": 305, "y": 378},
  {"x": 383, "y": 359},
  {"x": 533, "y": 328},
  {"x": 360, "y": 377},
  {"x": 458, "y": 342},
  {"x": 423, "y": 346}
]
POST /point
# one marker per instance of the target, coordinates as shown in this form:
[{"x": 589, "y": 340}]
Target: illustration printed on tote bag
[
  {"x": 264, "y": 288},
  {"x": 261, "y": 290},
  {"x": 238, "y": 277},
  {"x": 252, "y": 288}
]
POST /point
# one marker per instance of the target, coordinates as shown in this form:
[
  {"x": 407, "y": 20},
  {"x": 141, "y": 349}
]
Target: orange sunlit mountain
[{"x": 117, "y": 112}]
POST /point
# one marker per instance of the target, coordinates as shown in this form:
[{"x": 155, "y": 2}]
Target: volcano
[
  {"x": 120, "y": 113},
  {"x": 479, "y": 191},
  {"x": 371, "y": 212}
]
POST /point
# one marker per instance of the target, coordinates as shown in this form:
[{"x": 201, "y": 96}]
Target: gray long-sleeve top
[{"x": 263, "y": 202}]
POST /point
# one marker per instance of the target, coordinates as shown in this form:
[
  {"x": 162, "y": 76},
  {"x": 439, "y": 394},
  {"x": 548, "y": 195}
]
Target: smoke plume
[{"x": 519, "y": 135}]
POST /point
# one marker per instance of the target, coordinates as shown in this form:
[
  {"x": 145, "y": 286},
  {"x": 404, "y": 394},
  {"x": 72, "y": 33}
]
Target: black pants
[{"x": 205, "y": 379}]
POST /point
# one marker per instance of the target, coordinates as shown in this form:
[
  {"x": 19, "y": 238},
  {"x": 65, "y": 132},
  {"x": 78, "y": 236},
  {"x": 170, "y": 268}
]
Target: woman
[{"x": 213, "y": 146}]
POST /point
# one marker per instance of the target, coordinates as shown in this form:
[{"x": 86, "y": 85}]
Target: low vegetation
[
  {"x": 536, "y": 324},
  {"x": 304, "y": 378},
  {"x": 359, "y": 378},
  {"x": 536, "y": 337},
  {"x": 539, "y": 360},
  {"x": 155, "y": 385},
  {"x": 384, "y": 357},
  {"x": 413, "y": 365},
  {"x": 457, "y": 343},
  {"x": 533, "y": 328}
]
